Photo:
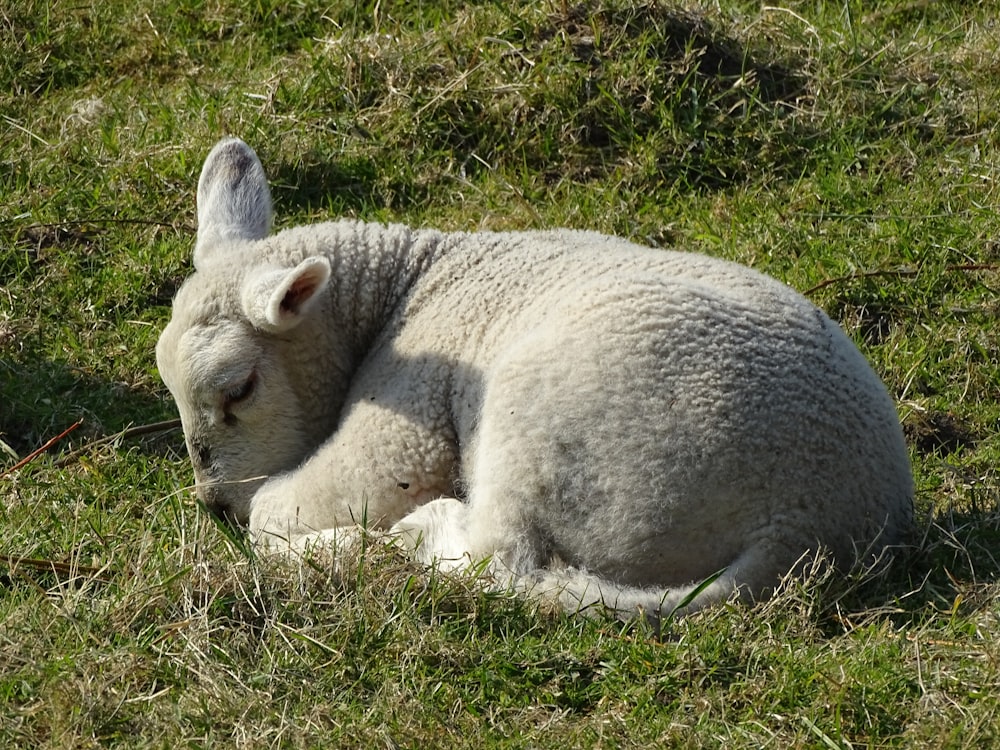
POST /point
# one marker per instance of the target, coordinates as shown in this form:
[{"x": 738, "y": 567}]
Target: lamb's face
[
  {"x": 242, "y": 418},
  {"x": 224, "y": 354}
]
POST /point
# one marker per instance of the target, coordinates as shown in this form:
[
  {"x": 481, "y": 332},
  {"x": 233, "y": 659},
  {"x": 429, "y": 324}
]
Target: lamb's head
[{"x": 231, "y": 355}]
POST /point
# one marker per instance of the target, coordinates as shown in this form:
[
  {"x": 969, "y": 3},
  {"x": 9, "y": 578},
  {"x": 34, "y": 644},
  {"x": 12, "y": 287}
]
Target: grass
[{"x": 850, "y": 149}]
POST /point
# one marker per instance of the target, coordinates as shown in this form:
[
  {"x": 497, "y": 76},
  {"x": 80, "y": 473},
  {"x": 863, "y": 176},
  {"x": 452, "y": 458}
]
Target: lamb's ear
[
  {"x": 234, "y": 201},
  {"x": 278, "y": 299}
]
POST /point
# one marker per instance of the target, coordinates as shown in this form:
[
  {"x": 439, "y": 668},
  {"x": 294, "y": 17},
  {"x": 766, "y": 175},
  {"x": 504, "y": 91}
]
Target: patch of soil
[{"x": 938, "y": 431}]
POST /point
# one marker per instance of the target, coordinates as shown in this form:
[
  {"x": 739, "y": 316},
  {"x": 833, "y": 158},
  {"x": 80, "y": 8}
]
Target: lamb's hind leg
[
  {"x": 443, "y": 533},
  {"x": 579, "y": 592},
  {"x": 436, "y": 533},
  {"x": 753, "y": 575}
]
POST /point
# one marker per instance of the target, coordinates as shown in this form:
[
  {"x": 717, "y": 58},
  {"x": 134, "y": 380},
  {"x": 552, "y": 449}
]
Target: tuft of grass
[{"x": 849, "y": 149}]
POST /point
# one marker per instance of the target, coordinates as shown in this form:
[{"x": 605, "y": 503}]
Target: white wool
[{"x": 607, "y": 423}]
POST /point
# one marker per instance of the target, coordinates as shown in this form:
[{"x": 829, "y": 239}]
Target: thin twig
[
  {"x": 68, "y": 569},
  {"x": 128, "y": 432},
  {"x": 899, "y": 273},
  {"x": 35, "y": 453}
]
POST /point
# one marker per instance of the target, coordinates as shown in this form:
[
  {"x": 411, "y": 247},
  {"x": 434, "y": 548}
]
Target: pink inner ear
[{"x": 298, "y": 294}]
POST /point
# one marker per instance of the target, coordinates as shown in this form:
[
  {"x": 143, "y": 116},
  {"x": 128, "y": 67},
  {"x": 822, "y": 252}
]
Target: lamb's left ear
[
  {"x": 234, "y": 201},
  {"x": 276, "y": 300}
]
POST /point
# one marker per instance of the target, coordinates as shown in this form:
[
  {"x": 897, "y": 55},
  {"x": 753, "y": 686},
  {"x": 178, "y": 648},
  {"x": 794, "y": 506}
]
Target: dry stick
[
  {"x": 900, "y": 272},
  {"x": 128, "y": 432},
  {"x": 67, "y": 569},
  {"x": 35, "y": 453},
  {"x": 73, "y": 569}
]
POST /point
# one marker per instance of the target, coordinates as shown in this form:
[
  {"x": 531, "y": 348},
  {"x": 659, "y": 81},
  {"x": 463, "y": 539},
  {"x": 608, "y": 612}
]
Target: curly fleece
[{"x": 607, "y": 423}]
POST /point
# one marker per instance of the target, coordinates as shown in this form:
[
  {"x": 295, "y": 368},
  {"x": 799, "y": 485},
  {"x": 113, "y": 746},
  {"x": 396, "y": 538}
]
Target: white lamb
[{"x": 608, "y": 424}]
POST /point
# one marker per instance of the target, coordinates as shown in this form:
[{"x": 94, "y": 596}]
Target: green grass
[{"x": 851, "y": 149}]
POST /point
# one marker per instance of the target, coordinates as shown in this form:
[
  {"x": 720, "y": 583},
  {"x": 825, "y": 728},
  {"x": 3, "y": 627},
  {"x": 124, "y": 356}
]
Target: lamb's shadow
[
  {"x": 39, "y": 399},
  {"x": 952, "y": 557},
  {"x": 957, "y": 556},
  {"x": 949, "y": 564}
]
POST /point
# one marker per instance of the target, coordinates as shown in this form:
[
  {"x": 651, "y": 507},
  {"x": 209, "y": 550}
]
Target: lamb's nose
[
  {"x": 208, "y": 491},
  {"x": 201, "y": 455}
]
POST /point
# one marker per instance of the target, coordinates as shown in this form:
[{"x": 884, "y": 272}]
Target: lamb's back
[{"x": 485, "y": 289}]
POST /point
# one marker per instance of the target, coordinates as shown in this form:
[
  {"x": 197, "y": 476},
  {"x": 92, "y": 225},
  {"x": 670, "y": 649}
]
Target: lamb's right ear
[
  {"x": 234, "y": 201},
  {"x": 277, "y": 299}
]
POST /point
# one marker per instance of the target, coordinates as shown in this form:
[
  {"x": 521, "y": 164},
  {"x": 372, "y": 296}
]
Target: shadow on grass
[
  {"x": 341, "y": 185},
  {"x": 957, "y": 558},
  {"x": 618, "y": 82},
  {"x": 675, "y": 35},
  {"x": 39, "y": 399},
  {"x": 949, "y": 568}
]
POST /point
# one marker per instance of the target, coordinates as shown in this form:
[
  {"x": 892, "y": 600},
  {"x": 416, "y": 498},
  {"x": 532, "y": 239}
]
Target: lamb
[{"x": 609, "y": 425}]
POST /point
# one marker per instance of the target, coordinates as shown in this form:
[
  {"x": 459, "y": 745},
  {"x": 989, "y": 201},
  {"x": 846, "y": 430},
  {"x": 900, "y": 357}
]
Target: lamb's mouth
[{"x": 217, "y": 501}]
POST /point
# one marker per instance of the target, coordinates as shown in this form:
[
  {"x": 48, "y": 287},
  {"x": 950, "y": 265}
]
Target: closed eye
[{"x": 240, "y": 393}]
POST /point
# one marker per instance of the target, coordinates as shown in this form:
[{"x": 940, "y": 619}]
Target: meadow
[{"x": 850, "y": 149}]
